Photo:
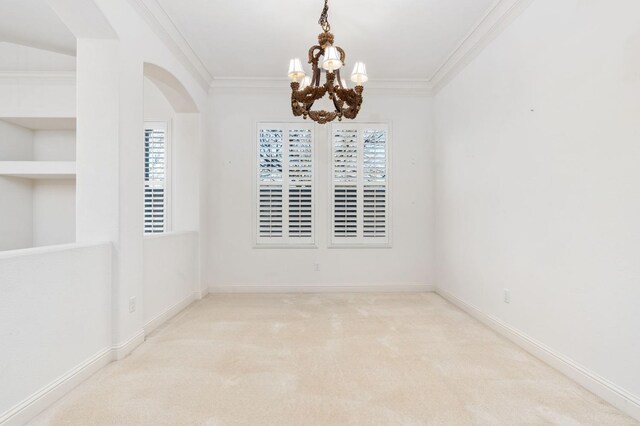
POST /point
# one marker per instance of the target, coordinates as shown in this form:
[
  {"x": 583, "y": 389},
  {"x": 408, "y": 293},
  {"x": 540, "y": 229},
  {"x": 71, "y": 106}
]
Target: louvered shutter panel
[
  {"x": 374, "y": 187},
  {"x": 285, "y": 184},
  {"x": 360, "y": 193},
  {"x": 345, "y": 177},
  {"x": 155, "y": 177},
  {"x": 271, "y": 183},
  {"x": 300, "y": 183}
]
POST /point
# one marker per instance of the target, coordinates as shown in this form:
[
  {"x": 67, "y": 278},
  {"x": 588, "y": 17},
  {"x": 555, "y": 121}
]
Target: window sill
[
  {"x": 285, "y": 246},
  {"x": 168, "y": 234}
]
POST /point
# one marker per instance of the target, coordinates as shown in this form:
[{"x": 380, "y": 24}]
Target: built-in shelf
[{"x": 39, "y": 169}]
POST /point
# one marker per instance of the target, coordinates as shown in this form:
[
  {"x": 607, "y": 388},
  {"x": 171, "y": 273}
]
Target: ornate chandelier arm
[
  {"x": 313, "y": 56},
  {"x": 343, "y": 56},
  {"x": 353, "y": 99},
  {"x": 309, "y": 94},
  {"x": 339, "y": 80}
]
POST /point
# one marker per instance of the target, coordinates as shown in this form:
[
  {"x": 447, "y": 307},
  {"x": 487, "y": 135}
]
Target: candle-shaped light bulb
[
  {"x": 332, "y": 60},
  {"x": 359, "y": 74},
  {"x": 295, "y": 69}
]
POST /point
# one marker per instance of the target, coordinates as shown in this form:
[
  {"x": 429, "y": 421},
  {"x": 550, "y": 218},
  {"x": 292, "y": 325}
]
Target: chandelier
[{"x": 328, "y": 58}]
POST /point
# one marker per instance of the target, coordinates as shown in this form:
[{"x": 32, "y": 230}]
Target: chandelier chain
[{"x": 324, "y": 17}]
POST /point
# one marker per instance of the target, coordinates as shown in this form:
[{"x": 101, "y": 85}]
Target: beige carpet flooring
[{"x": 361, "y": 359}]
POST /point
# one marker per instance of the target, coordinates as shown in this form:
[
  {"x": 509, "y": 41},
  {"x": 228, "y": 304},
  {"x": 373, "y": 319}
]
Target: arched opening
[
  {"x": 175, "y": 93},
  {"x": 171, "y": 153},
  {"x": 171, "y": 193}
]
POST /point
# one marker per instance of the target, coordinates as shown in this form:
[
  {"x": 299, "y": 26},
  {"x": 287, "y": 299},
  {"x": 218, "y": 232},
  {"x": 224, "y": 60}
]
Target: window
[
  {"x": 155, "y": 177},
  {"x": 285, "y": 184},
  {"x": 360, "y": 184}
]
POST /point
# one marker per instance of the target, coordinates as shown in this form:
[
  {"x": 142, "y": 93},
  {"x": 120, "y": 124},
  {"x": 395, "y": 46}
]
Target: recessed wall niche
[{"x": 37, "y": 181}]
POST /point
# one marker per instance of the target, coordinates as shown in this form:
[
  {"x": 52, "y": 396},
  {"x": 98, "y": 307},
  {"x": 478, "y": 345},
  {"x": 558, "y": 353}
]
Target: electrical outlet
[
  {"x": 132, "y": 305},
  {"x": 507, "y": 295},
  {"x": 316, "y": 267}
]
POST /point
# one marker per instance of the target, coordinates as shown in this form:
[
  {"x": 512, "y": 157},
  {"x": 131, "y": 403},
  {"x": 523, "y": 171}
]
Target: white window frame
[
  {"x": 168, "y": 183},
  {"x": 360, "y": 241},
  {"x": 284, "y": 242}
]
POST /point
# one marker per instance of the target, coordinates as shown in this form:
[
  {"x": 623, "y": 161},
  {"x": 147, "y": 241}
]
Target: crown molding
[
  {"x": 165, "y": 29},
  {"x": 419, "y": 87},
  {"x": 494, "y": 21},
  {"x": 39, "y": 75}
]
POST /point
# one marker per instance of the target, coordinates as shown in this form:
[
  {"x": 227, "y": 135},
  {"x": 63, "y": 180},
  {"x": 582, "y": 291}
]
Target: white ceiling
[
  {"x": 33, "y": 23},
  {"x": 397, "y": 39}
]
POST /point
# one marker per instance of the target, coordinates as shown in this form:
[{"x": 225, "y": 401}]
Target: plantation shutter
[
  {"x": 360, "y": 184},
  {"x": 345, "y": 189},
  {"x": 155, "y": 177},
  {"x": 285, "y": 187}
]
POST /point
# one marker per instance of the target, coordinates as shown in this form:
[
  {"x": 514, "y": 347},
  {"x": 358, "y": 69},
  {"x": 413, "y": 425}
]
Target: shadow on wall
[{"x": 171, "y": 88}]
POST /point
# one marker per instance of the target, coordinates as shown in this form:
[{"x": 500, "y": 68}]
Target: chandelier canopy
[{"x": 326, "y": 57}]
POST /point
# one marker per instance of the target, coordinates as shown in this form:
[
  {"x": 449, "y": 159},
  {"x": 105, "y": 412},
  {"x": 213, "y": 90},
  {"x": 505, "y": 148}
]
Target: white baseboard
[
  {"x": 39, "y": 401},
  {"x": 322, "y": 288},
  {"x": 33, "y": 405},
  {"x": 620, "y": 398},
  {"x": 125, "y": 348},
  {"x": 202, "y": 293},
  {"x": 170, "y": 312},
  {"x": 43, "y": 398}
]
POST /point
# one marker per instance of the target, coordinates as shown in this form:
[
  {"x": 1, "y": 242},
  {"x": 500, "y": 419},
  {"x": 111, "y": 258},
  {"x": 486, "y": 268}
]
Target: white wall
[
  {"x": 54, "y": 212},
  {"x": 170, "y": 275},
  {"x": 538, "y": 146},
  {"x": 110, "y": 77},
  {"x": 185, "y": 172},
  {"x": 54, "y": 145},
  {"x": 37, "y": 95},
  {"x": 15, "y": 231},
  {"x": 16, "y": 143},
  {"x": 156, "y": 106},
  {"x": 171, "y": 260},
  {"x": 56, "y": 314},
  {"x": 233, "y": 263},
  {"x": 54, "y": 200}
]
